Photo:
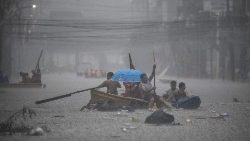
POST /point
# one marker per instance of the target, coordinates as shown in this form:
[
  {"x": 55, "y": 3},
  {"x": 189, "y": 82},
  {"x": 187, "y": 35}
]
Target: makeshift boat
[
  {"x": 22, "y": 85},
  {"x": 117, "y": 100}
]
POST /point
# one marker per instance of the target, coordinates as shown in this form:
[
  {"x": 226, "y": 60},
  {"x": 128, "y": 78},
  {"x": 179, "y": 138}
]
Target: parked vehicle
[{"x": 94, "y": 73}]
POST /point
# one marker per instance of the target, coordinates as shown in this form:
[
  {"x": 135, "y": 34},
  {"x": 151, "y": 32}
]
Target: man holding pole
[
  {"x": 110, "y": 84},
  {"x": 147, "y": 88}
]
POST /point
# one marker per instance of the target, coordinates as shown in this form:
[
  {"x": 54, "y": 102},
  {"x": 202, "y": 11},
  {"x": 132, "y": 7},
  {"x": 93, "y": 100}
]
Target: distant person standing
[{"x": 110, "y": 84}]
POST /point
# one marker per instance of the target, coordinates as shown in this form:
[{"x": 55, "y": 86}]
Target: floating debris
[
  {"x": 235, "y": 99},
  {"x": 124, "y": 129},
  {"x": 139, "y": 113},
  {"x": 115, "y": 136},
  {"x": 217, "y": 116},
  {"x": 213, "y": 111},
  {"x": 132, "y": 127},
  {"x": 124, "y": 111},
  {"x": 46, "y": 129},
  {"x": 121, "y": 114},
  {"x": 38, "y": 131},
  {"x": 127, "y": 124},
  {"x": 199, "y": 117},
  {"x": 59, "y": 116},
  {"x": 15, "y": 123},
  {"x": 176, "y": 124},
  {"x": 188, "y": 120},
  {"x": 159, "y": 117},
  {"x": 133, "y": 119},
  {"x": 109, "y": 118},
  {"x": 222, "y": 115}
]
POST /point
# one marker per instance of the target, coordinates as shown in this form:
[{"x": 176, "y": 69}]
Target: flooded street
[
  {"x": 201, "y": 47},
  {"x": 66, "y": 122}
]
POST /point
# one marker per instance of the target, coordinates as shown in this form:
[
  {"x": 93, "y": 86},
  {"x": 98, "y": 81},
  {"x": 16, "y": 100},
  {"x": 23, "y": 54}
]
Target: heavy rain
[{"x": 124, "y": 70}]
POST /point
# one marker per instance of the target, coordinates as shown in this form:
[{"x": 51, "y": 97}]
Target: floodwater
[{"x": 66, "y": 121}]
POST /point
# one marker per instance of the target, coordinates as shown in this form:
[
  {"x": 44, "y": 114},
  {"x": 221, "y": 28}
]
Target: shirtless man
[
  {"x": 132, "y": 89},
  {"x": 110, "y": 84},
  {"x": 147, "y": 88}
]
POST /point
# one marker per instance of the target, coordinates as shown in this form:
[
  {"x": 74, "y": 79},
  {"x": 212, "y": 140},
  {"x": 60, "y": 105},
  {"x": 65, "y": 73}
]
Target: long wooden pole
[
  {"x": 62, "y": 96},
  {"x": 154, "y": 69},
  {"x": 38, "y": 60}
]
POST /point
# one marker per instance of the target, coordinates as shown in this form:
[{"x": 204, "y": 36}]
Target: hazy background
[{"x": 194, "y": 38}]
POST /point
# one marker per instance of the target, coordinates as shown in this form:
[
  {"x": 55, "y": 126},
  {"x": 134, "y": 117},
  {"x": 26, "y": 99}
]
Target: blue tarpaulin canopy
[{"x": 127, "y": 75}]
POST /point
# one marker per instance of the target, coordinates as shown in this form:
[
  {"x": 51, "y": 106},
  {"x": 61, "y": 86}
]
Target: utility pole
[
  {"x": 244, "y": 32},
  {"x": 7, "y": 11},
  {"x": 229, "y": 44}
]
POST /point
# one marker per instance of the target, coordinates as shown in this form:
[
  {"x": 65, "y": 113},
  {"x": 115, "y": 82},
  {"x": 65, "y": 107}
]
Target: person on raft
[
  {"x": 25, "y": 77},
  {"x": 110, "y": 84},
  {"x": 147, "y": 88},
  {"x": 170, "y": 94},
  {"x": 173, "y": 95},
  {"x": 132, "y": 90},
  {"x": 181, "y": 93},
  {"x": 181, "y": 99}
]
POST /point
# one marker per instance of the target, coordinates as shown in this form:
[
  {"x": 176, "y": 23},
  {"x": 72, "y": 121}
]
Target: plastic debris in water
[
  {"x": 132, "y": 127},
  {"x": 124, "y": 111},
  {"x": 127, "y": 124},
  {"x": 134, "y": 119},
  {"x": 121, "y": 114},
  {"x": 38, "y": 131},
  {"x": 188, "y": 120},
  {"x": 124, "y": 129},
  {"x": 235, "y": 100},
  {"x": 159, "y": 117},
  {"x": 109, "y": 118},
  {"x": 115, "y": 136},
  {"x": 59, "y": 116},
  {"x": 213, "y": 111},
  {"x": 224, "y": 114},
  {"x": 176, "y": 123},
  {"x": 217, "y": 114}
]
